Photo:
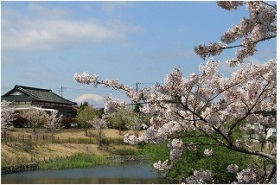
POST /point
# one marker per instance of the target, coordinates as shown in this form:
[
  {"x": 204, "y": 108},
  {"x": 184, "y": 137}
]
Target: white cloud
[
  {"x": 44, "y": 12},
  {"x": 253, "y": 60},
  {"x": 50, "y": 28},
  {"x": 111, "y": 7},
  {"x": 86, "y": 97}
]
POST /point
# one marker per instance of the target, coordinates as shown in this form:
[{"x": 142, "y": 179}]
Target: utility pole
[
  {"x": 137, "y": 84},
  {"x": 137, "y": 105},
  {"x": 61, "y": 90}
]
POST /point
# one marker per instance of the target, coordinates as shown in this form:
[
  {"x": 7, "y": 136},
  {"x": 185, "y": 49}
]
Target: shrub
[{"x": 196, "y": 160}]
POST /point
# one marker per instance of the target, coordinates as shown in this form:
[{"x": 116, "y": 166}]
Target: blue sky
[{"x": 44, "y": 43}]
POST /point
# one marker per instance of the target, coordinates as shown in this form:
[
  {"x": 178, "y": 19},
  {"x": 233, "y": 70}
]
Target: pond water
[{"x": 133, "y": 172}]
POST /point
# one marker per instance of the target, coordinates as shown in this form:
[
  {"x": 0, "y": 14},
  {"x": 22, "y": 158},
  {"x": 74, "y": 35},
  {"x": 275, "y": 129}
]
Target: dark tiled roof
[{"x": 35, "y": 94}]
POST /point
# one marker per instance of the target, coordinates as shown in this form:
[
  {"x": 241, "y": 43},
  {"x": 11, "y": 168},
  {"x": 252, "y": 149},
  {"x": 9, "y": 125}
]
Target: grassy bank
[
  {"x": 33, "y": 150},
  {"x": 78, "y": 160}
]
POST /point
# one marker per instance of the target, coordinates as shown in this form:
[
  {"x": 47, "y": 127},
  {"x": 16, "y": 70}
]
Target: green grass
[{"x": 78, "y": 160}]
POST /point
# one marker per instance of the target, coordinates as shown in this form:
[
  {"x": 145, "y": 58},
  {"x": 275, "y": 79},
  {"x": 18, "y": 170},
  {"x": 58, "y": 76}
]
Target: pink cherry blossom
[
  {"x": 232, "y": 168},
  {"x": 7, "y": 114},
  {"x": 258, "y": 27},
  {"x": 208, "y": 152},
  {"x": 162, "y": 165},
  {"x": 247, "y": 176},
  {"x": 176, "y": 149}
]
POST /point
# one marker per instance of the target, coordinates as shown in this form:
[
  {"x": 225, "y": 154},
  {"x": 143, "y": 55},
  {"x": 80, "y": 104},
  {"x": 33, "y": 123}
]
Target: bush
[
  {"x": 124, "y": 151},
  {"x": 155, "y": 152},
  {"x": 20, "y": 122},
  {"x": 196, "y": 160},
  {"x": 217, "y": 163}
]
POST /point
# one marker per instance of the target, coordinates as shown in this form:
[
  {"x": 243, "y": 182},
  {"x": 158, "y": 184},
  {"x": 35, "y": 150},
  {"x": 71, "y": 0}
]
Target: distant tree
[
  {"x": 53, "y": 122},
  {"x": 34, "y": 117},
  {"x": 119, "y": 119},
  {"x": 83, "y": 105},
  {"x": 136, "y": 122},
  {"x": 86, "y": 114},
  {"x": 127, "y": 118},
  {"x": 99, "y": 124},
  {"x": 100, "y": 112}
]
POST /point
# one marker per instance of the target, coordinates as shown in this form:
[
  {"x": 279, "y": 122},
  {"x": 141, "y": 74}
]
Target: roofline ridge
[
  {"x": 64, "y": 98},
  {"x": 24, "y": 89},
  {"x": 28, "y": 87},
  {"x": 26, "y": 92}
]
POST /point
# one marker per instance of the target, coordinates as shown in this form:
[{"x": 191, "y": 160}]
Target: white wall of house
[{"x": 21, "y": 104}]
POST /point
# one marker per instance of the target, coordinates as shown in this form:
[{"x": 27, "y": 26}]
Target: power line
[
  {"x": 144, "y": 83},
  {"x": 91, "y": 90}
]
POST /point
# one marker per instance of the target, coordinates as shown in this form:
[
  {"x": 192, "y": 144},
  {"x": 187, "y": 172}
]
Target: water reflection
[{"x": 135, "y": 172}]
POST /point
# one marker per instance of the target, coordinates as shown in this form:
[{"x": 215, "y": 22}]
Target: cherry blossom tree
[
  {"x": 53, "y": 122},
  {"x": 34, "y": 117},
  {"x": 214, "y": 106},
  {"x": 7, "y": 116},
  {"x": 99, "y": 124}
]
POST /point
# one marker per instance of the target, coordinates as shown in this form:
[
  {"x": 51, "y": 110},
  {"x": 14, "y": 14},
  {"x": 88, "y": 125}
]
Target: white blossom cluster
[
  {"x": 191, "y": 147},
  {"x": 53, "y": 121},
  {"x": 85, "y": 78},
  {"x": 7, "y": 114},
  {"x": 131, "y": 139},
  {"x": 34, "y": 116},
  {"x": 211, "y": 50},
  {"x": 176, "y": 149},
  {"x": 208, "y": 152},
  {"x": 112, "y": 105},
  {"x": 98, "y": 123},
  {"x": 232, "y": 168},
  {"x": 247, "y": 176},
  {"x": 259, "y": 26},
  {"x": 229, "y": 5},
  {"x": 199, "y": 177},
  {"x": 166, "y": 165}
]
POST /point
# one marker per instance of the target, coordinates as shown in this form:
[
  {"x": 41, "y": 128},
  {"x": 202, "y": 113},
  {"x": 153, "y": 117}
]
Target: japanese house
[{"x": 23, "y": 97}]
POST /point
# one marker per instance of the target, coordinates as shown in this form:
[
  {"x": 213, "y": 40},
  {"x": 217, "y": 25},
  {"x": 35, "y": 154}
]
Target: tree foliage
[{"x": 85, "y": 114}]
